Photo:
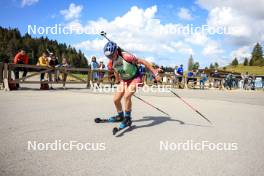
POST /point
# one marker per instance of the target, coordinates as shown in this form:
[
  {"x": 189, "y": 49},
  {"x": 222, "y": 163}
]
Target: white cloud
[
  {"x": 140, "y": 32},
  {"x": 241, "y": 53},
  {"x": 252, "y": 8},
  {"x": 236, "y": 23},
  {"x": 245, "y": 19},
  {"x": 72, "y": 12},
  {"x": 185, "y": 14},
  {"x": 212, "y": 49},
  {"x": 137, "y": 31},
  {"x": 28, "y": 2},
  {"x": 197, "y": 38},
  {"x": 91, "y": 45}
]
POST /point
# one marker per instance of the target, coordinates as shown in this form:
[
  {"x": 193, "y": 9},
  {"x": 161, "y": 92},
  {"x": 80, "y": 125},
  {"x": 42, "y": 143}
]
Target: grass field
[{"x": 257, "y": 70}]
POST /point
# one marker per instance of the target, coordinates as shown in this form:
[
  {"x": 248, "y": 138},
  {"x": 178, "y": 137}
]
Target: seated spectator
[
  {"x": 20, "y": 58},
  {"x": 53, "y": 62},
  {"x": 189, "y": 76},
  {"x": 101, "y": 67},
  {"x": 43, "y": 61}
]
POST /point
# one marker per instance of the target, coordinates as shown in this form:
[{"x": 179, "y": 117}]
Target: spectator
[
  {"x": 217, "y": 79},
  {"x": 229, "y": 81},
  {"x": 64, "y": 64},
  {"x": 203, "y": 79},
  {"x": 180, "y": 73},
  {"x": 20, "y": 58},
  {"x": 43, "y": 61},
  {"x": 245, "y": 81},
  {"x": 94, "y": 66},
  {"x": 191, "y": 77},
  {"x": 175, "y": 73},
  {"x": 53, "y": 62},
  {"x": 101, "y": 68}
]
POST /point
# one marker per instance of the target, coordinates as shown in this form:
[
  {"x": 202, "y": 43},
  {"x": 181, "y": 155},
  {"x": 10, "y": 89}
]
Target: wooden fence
[{"x": 6, "y": 78}]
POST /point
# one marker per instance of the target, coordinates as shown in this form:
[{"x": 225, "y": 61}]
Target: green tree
[
  {"x": 211, "y": 66},
  {"x": 245, "y": 62},
  {"x": 196, "y": 65},
  {"x": 251, "y": 62},
  {"x": 257, "y": 55},
  {"x": 190, "y": 63},
  {"x": 234, "y": 62},
  {"x": 216, "y": 65},
  {"x": 11, "y": 41}
]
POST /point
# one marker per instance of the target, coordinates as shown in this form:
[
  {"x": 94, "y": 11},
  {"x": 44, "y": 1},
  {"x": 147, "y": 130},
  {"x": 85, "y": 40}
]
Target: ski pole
[
  {"x": 190, "y": 106},
  {"x": 104, "y": 35},
  {"x": 151, "y": 105}
]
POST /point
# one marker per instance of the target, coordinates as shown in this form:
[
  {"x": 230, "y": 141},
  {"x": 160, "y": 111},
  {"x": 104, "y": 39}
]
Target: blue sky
[{"x": 133, "y": 23}]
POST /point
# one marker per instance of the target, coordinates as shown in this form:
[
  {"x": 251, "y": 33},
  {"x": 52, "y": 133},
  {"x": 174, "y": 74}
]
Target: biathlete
[{"x": 125, "y": 67}]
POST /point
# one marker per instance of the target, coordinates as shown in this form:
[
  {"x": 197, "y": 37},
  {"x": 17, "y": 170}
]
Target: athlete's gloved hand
[{"x": 156, "y": 75}]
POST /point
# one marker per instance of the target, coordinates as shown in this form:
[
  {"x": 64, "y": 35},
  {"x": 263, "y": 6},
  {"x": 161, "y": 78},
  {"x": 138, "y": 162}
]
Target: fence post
[
  {"x": 1, "y": 75},
  {"x": 5, "y": 76},
  {"x": 88, "y": 79}
]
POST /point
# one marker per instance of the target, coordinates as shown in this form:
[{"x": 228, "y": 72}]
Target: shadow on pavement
[{"x": 155, "y": 120}]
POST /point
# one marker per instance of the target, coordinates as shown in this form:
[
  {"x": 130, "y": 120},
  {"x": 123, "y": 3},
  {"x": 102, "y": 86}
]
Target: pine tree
[
  {"x": 216, "y": 65},
  {"x": 245, "y": 62},
  {"x": 257, "y": 55},
  {"x": 251, "y": 62},
  {"x": 11, "y": 41},
  {"x": 190, "y": 63},
  {"x": 211, "y": 66},
  {"x": 234, "y": 62}
]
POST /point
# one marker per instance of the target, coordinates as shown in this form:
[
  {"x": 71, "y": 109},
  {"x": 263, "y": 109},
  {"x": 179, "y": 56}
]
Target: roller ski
[
  {"x": 124, "y": 124},
  {"x": 118, "y": 118}
]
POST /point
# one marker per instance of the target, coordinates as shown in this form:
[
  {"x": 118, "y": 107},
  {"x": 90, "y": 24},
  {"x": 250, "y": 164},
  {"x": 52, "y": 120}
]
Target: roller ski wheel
[
  {"x": 99, "y": 120},
  {"x": 122, "y": 126}
]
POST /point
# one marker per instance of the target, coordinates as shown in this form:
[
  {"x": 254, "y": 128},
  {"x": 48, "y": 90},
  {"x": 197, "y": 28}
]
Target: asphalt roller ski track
[{"x": 67, "y": 115}]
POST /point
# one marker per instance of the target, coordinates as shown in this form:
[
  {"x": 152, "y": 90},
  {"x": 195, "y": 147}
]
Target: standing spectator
[
  {"x": 43, "y": 61},
  {"x": 245, "y": 81},
  {"x": 203, "y": 79},
  {"x": 20, "y": 58},
  {"x": 229, "y": 81},
  {"x": 101, "y": 68},
  {"x": 64, "y": 64},
  {"x": 217, "y": 79},
  {"x": 175, "y": 73},
  {"x": 94, "y": 66}
]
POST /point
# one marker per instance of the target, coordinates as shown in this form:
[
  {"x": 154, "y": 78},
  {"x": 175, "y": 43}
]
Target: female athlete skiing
[{"x": 127, "y": 73}]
